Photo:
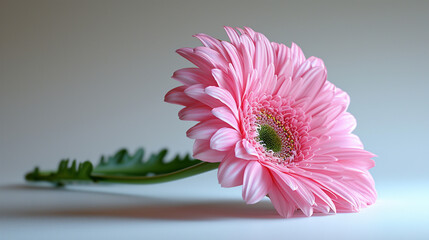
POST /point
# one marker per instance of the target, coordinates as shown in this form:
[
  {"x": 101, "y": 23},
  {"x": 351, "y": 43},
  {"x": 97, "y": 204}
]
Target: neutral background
[{"x": 84, "y": 78}]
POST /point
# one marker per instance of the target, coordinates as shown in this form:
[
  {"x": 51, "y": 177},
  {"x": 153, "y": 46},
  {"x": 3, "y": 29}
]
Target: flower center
[
  {"x": 278, "y": 129},
  {"x": 269, "y": 138},
  {"x": 275, "y": 136}
]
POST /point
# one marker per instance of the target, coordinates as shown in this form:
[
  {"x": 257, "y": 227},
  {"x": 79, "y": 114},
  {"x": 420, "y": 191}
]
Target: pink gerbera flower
[{"x": 275, "y": 124}]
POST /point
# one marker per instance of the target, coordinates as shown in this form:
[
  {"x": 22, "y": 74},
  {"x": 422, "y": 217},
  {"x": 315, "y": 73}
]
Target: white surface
[{"x": 196, "y": 208}]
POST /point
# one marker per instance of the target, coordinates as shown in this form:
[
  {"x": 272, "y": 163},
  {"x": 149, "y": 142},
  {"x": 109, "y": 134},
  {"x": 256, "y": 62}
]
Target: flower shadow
[
  {"x": 50, "y": 202},
  {"x": 117, "y": 205},
  {"x": 188, "y": 211}
]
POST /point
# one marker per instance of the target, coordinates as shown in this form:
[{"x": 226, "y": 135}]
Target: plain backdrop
[{"x": 83, "y": 78}]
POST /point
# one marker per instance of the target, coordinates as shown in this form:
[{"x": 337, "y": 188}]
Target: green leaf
[
  {"x": 64, "y": 173},
  {"x": 124, "y": 168},
  {"x": 122, "y": 163}
]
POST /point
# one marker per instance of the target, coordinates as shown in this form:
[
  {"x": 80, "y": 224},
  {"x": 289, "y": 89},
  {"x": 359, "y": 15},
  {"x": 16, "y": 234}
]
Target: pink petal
[
  {"x": 340, "y": 141},
  {"x": 211, "y": 42},
  {"x": 205, "y": 129},
  {"x": 256, "y": 182},
  {"x": 196, "y": 113},
  {"x": 286, "y": 178},
  {"x": 268, "y": 80},
  {"x": 348, "y": 153},
  {"x": 317, "y": 158},
  {"x": 224, "y": 81},
  {"x": 225, "y": 114},
  {"x": 301, "y": 196},
  {"x": 225, "y": 97},
  {"x": 321, "y": 197},
  {"x": 245, "y": 152},
  {"x": 198, "y": 93},
  {"x": 233, "y": 36},
  {"x": 302, "y": 69},
  {"x": 260, "y": 59},
  {"x": 189, "y": 54},
  {"x": 316, "y": 62},
  {"x": 224, "y": 139},
  {"x": 345, "y": 123},
  {"x": 297, "y": 56},
  {"x": 191, "y": 76},
  {"x": 342, "y": 196},
  {"x": 250, "y": 32},
  {"x": 321, "y": 122},
  {"x": 252, "y": 84},
  {"x": 231, "y": 171},
  {"x": 248, "y": 50},
  {"x": 284, "y": 65},
  {"x": 284, "y": 87},
  {"x": 203, "y": 152},
  {"x": 177, "y": 96},
  {"x": 314, "y": 80},
  {"x": 283, "y": 206},
  {"x": 214, "y": 57},
  {"x": 235, "y": 67}
]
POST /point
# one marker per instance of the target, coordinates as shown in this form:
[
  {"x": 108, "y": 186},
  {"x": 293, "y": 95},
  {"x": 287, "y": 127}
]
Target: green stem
[
  {"x": 182, "y": 173},
  {"x": 198, "y": 168}
]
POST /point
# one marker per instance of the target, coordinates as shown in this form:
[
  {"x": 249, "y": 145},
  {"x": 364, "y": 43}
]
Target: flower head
[{"x": 275, "y": 124}]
